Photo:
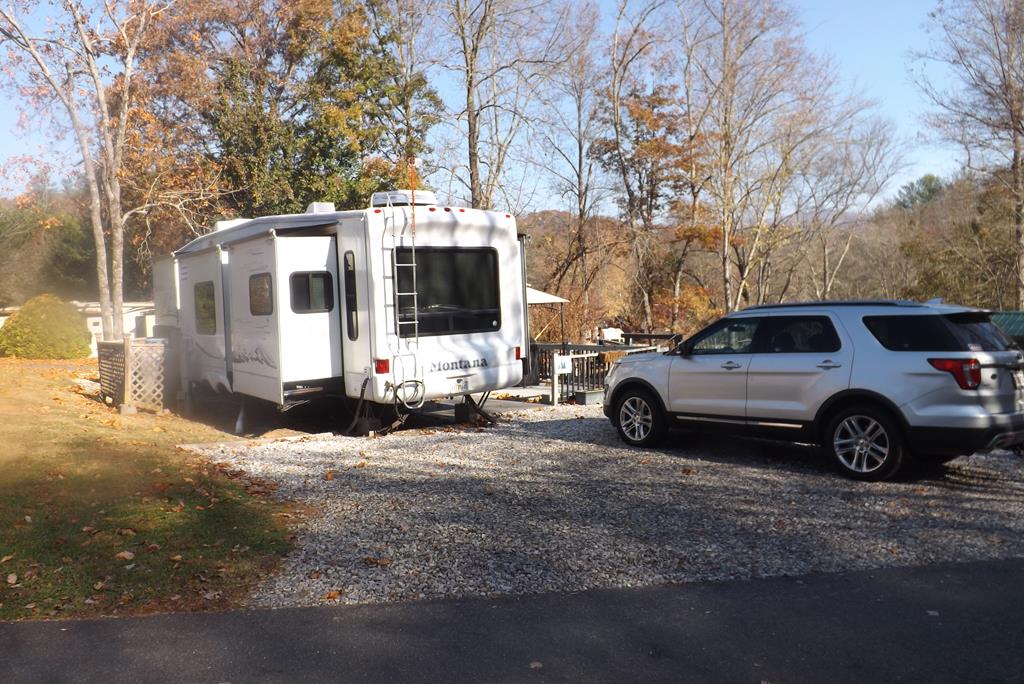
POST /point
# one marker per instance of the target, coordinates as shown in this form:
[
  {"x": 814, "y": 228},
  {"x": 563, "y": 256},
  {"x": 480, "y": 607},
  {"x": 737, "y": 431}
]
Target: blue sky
[{"x": 870, "y": 41}]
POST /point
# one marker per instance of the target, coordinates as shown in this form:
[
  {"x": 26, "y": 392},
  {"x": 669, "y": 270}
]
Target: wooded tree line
[{"x": 672, "y": 160}]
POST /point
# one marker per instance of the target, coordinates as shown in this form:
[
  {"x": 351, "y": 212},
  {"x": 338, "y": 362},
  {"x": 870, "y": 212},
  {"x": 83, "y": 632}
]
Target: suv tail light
[
  {"x": 966, "y": 372},
  {"x": 381, "y": 366}
]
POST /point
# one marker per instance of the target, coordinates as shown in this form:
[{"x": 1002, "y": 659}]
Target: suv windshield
[{"x": 968, "y": 331}]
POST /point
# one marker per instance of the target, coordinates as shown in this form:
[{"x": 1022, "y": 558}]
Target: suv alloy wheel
[
  {"x": 865, "y": 443},
  {"x": 641, "y": 422}
]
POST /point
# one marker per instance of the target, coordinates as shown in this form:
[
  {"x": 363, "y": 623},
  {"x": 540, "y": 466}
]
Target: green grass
[{"x": 80, "y": 485}]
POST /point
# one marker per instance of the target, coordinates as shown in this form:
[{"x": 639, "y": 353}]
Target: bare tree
[
  {"x": 840, "y": 185},
  {"x": 750, "y": 69},
  {"x": 981, "y": 44},
  {"x": 502, "y": 52},
  {"x": 767, "y": 119},
  {"x": 83, "y": 58},
  {"x": 569, "y": 131},
  {"x": 631, "y": 54},
  {"x": 403, "y": 27}
]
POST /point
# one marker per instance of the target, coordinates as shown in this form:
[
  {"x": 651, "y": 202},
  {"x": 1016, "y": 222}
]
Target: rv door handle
[
  {"x": 731, "y": 365},
  {"x": 829, "y": 364}
]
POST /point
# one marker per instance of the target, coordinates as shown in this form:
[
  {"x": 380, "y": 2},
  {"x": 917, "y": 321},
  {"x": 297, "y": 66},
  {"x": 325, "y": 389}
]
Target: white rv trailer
[{"x": 392, "y": 304}]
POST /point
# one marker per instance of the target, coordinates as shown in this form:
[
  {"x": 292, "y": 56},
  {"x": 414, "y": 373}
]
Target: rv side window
[
  {"x": 261, "y": 295},
  {"x": 351, "y": 314},
  {"x": 312, "y": 292},
  {"x": 456, "y": 290},
  {"x": 205, "y": 308}
]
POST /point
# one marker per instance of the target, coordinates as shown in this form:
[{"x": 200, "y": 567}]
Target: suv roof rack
[{"x": 854, "y": 302}]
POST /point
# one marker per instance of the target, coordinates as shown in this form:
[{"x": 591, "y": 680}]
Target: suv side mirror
[{"x": 681, "y": 349}]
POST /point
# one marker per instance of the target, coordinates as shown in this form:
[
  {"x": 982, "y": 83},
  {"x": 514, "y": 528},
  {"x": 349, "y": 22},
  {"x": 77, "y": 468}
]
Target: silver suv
[{"x": 874, "y": 383}]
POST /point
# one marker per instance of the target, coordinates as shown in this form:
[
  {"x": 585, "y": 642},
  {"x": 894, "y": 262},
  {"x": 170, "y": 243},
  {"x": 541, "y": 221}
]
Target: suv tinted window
[
  {"x": 797, "y": 335},
  {"x": 731, "y": 336},
  {"x": 976, "y": 332},
  {"x": 913, "y": 333}
]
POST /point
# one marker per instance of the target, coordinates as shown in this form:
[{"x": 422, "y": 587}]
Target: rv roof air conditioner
[
  {"x": 402, "y": 198},
  {"x": 320, "y": 208},
  {"x": 229, "y": 223}
]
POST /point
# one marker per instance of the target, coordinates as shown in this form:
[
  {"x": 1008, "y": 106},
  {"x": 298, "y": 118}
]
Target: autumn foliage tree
[
  {"x": 76, "y": 67},
  {"x": 289, "y": 101}
]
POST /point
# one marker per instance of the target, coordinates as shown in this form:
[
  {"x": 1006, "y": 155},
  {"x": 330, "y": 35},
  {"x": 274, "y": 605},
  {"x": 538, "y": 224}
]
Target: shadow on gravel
[
  {"x": 799, "y": 459},
  {"x": 684, "y": 444}
]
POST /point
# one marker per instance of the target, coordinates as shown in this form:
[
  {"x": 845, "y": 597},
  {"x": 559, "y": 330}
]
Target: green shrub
[{"x": 45, "y": 328}]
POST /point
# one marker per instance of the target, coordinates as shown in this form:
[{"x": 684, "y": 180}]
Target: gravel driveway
[{"x": 551, "y": 500}]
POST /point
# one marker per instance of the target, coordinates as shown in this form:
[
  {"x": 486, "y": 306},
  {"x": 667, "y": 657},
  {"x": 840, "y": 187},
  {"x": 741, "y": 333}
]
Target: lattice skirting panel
[
  {"x": 146, "y": 381},
  {"x": 132, "y": 373}
]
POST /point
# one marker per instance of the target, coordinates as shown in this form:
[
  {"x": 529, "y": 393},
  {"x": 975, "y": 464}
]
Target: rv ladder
[
  {"x": 406, "y": 298},
  {"x": 413, "y": 295}
]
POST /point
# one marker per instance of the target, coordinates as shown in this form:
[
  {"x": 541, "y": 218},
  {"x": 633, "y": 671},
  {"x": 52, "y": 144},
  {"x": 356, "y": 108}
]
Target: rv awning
[{"x": 538, "y": 297}]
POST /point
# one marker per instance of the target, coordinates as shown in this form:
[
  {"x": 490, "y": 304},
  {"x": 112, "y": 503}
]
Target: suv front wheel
[
  {"x": 639, "y": 418},
  {"x": 865, "y": 443}
]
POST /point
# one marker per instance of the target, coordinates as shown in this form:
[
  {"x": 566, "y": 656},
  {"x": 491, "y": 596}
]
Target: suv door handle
[
  {"x": 731, "y": 365},
  {"x": 828, "y": 364}
]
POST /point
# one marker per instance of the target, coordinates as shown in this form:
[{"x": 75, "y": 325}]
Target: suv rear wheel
[
  {"x": 640, "y": 420},
  {"x": 865, "y": 443}
]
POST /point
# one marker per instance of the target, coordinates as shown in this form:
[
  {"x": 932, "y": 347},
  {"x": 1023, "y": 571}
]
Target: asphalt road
[{"x": 960, "y": 622}]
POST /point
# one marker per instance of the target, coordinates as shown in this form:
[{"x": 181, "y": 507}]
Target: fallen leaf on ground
[
  {"x": 12, "y": 579},
  {"x": 175, "y": 558},
  {"x": 332, "y": 595},
  {"x": 361, "y": 464},
  {"x": 536, "y": 665},
  {"x": 7, "y": 558},
  {"x": 125, "y": 555},
  {"x": 378, "y": 562},
  {"x": 126, "y": 532},
  {"x": 330, "y": 475}
]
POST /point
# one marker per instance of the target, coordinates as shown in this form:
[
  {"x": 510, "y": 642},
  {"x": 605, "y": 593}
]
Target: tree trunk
[
  {"x": 1018, "y": 216},
  {"x": 472, "y": 147},
  {"x": 677, "y": 287},
  {"x": 99, "y": 241},
  {"x": 116, "y": 255},
  {"x": 96, "y": 220}
]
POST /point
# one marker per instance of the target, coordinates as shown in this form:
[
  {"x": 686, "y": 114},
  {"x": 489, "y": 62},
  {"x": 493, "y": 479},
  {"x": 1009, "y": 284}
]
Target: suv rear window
[
  {"x": 977, "y": 332},
  {"x": 955, "y": 332}
]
